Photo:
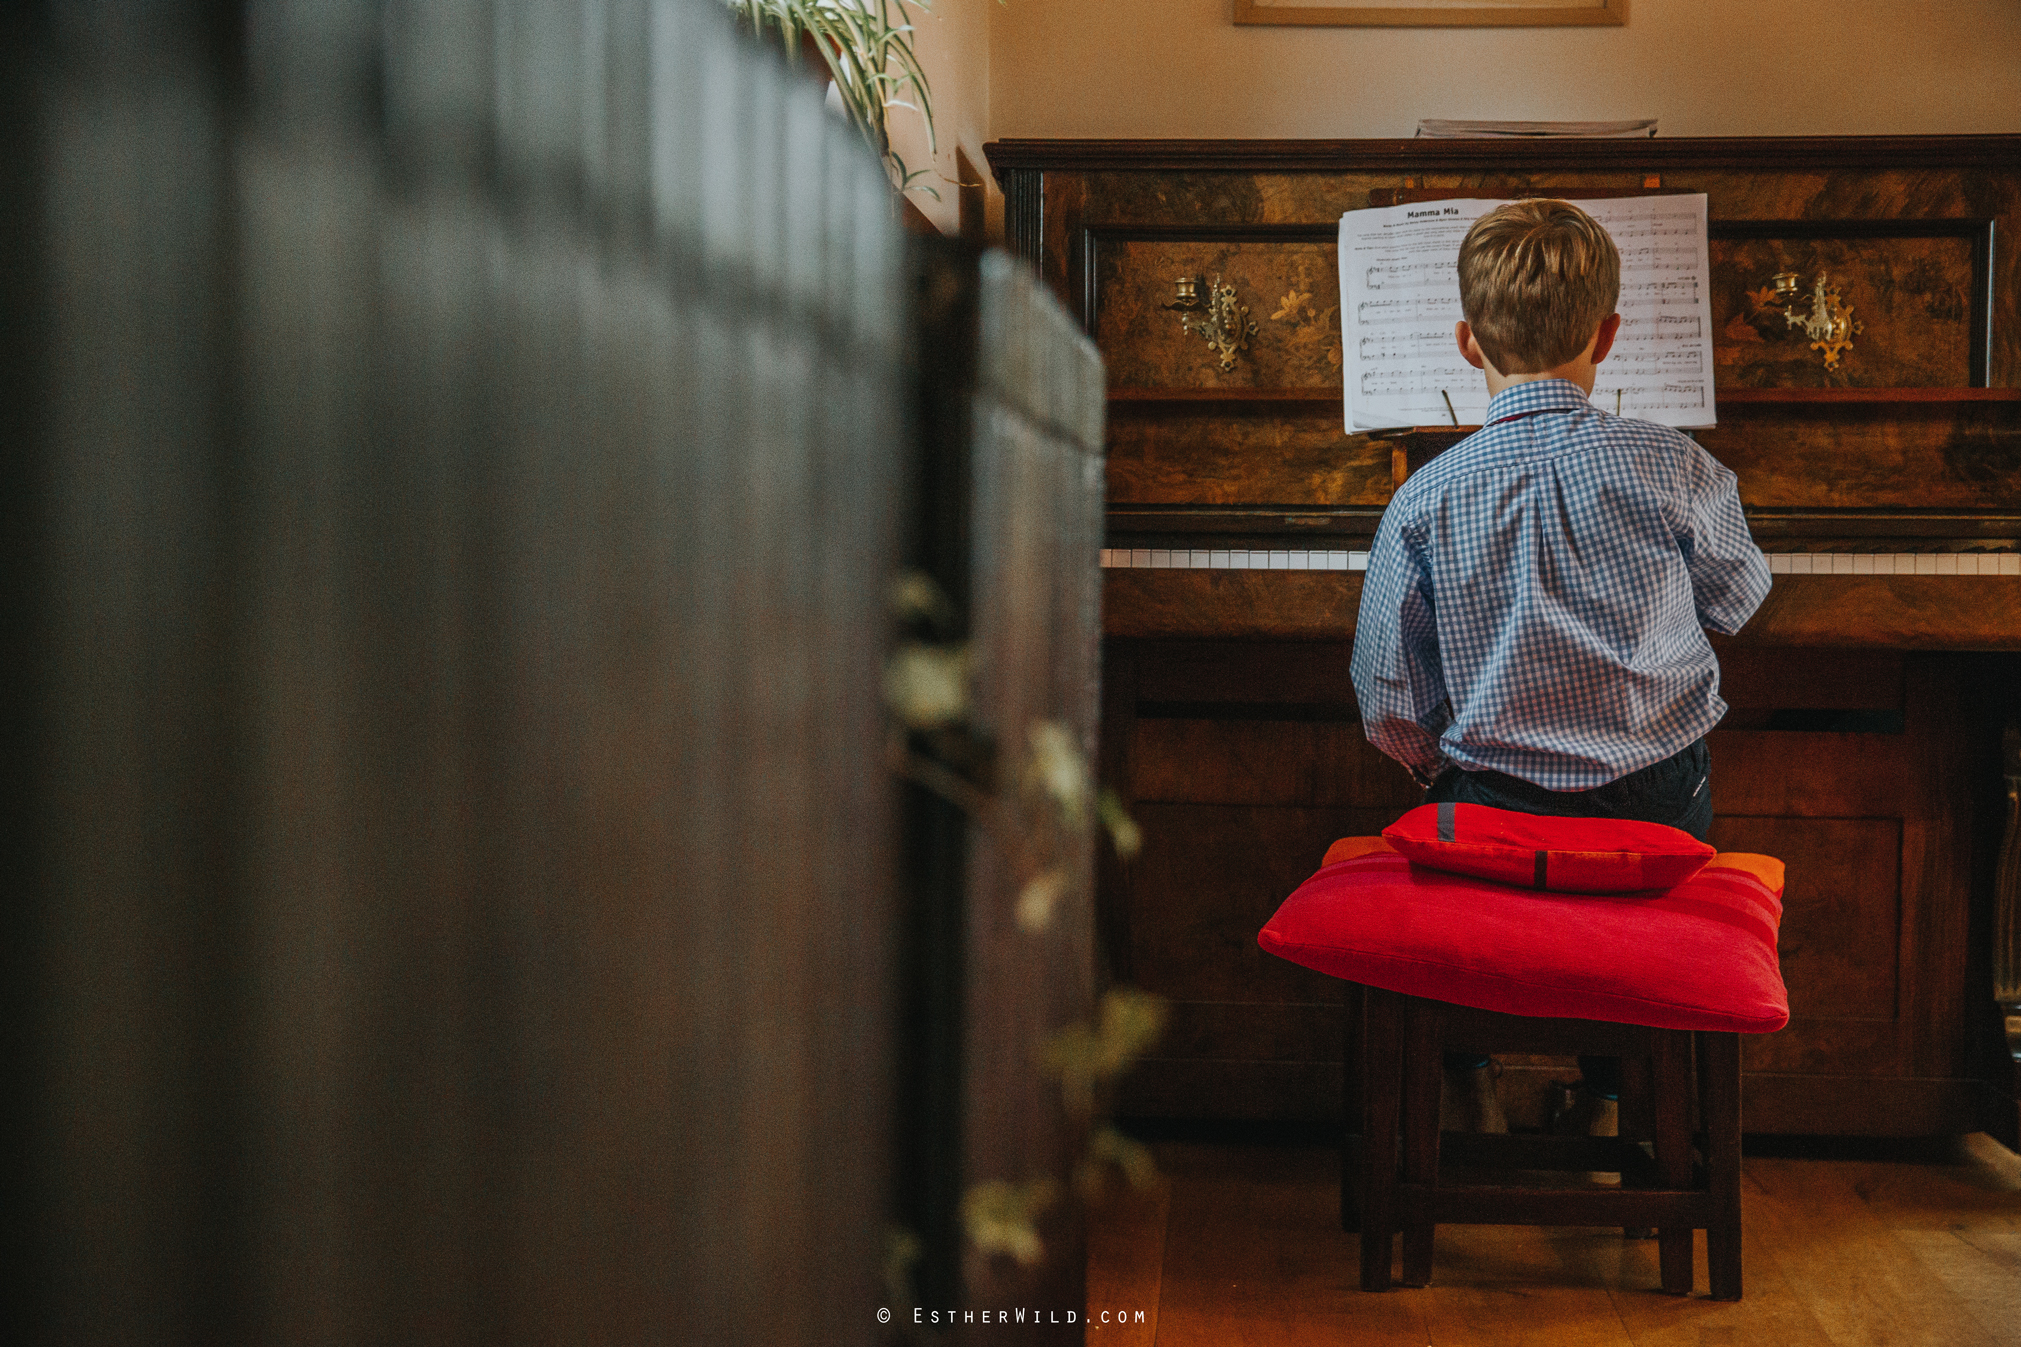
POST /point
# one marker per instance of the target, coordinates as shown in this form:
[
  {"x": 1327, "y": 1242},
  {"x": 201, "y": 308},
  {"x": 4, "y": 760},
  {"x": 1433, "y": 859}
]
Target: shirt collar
[{"x": 1538, "y": 395}]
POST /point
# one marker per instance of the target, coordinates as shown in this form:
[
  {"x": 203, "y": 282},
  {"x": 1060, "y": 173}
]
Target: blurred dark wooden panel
[
  {"x": 1033, "y": 520},
  {"x": 456, "y": 853}
]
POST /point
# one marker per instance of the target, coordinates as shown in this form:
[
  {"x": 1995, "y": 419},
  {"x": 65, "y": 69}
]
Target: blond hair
[{"x": 1537, "y": 277}]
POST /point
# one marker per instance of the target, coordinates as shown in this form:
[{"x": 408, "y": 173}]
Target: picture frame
[{"x": 1510, "y": 14}]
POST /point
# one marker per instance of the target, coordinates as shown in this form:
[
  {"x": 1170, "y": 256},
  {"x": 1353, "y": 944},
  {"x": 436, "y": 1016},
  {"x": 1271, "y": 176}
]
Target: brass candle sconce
[
  {"x": 1829, "y": 324},
  {"x": 1216, "y": 315}
]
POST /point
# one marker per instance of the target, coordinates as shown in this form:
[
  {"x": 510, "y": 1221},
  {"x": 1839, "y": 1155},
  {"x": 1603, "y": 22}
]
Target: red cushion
[
  {"x": 1565, "y": 855},
  {"x": 1700, "y": 955}
]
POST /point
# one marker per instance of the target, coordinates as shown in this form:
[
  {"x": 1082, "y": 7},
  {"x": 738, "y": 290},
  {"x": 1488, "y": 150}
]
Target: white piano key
[
  {"x": 1280, "y": 561},
  {"x": 1946, "y": 563},
  {"x": 1238, "y": 560},
  {"x": 1863, "y": 563},
  {"x": 1299, "y": 561},
  {"x": 1336, "y": 561},
  {"x": 1199, "y": 560},
  {"x": 1357, "y": 561},
  {"x": 1968, "y": 563},
  {"x": 1926, "y": 563},
  {"x": 1140, "y": 556},
  {"x": 2010, "y": 564},
  {"x": 1778, "y": 563},
  {"x": 1217, "y": 561}
]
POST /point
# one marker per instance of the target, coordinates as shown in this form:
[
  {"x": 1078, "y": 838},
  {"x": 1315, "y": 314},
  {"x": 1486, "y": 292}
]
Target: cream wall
[
  {"x": 1704, "y": 67},
  {"x": 953, "y": 40}
]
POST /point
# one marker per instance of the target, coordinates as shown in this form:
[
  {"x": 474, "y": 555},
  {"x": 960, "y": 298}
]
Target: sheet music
[{"x": 1400, "y": 297}]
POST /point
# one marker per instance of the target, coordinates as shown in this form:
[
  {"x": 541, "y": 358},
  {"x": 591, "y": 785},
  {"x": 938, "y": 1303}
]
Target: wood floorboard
[
  {"x": 1126, "y": 1262},
  {"x": 1521, "y": 1286},
  {"x": 1980, "y": 1185},
  {"x": 1985, "y": 1278},
  {"x": 1245, "y": 1248},
  {"x": 1255, "y": 1256},
  {"x": 1770, "y": 1312},
  {"x": 1861, "y": 1284}
]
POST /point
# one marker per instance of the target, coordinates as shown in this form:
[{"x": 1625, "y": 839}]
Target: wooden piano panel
[
  {"x": 1920, "y": 298},
  {"x": 1296, "y": 457},
  {"x": 1289, "y": 287}
]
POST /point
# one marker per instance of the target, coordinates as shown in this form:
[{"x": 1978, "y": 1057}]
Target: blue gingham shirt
[{"x": 1538, "y": 596}]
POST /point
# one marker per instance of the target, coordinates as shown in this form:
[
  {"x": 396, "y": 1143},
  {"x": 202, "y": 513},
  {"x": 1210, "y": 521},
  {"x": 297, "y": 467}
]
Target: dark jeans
[{"x": 1676, "y": 791}]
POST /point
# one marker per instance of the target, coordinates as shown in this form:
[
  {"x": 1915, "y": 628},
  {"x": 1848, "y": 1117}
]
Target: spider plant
[{"x": 867, "y": 45}]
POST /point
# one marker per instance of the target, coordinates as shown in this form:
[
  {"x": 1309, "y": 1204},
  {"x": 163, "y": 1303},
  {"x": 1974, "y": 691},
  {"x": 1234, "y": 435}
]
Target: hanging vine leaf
[{"x": 1002, "y": 1218}]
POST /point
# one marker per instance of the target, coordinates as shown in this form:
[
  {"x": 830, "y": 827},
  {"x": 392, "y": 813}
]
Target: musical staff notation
[
  {"x": 1376, "y": 312},
  {"x": 1410, "y": 273}
]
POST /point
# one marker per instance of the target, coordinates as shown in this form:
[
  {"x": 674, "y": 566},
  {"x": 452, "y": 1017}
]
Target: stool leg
[
  {"x": 1353, "y": 1108},
  {"x": 1672, "y": 1127},
  {"x": 1422, "y": 1075},
  {"x": 1381, "y": 1086},
  {"x": 1636, "y": 1114},
  {"x": 1638, "y": 1122},
  {"x": 1719, "y": 1073}
]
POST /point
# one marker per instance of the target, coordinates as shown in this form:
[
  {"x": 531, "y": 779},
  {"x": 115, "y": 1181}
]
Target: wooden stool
[{"x": 1390, "y": 1178}]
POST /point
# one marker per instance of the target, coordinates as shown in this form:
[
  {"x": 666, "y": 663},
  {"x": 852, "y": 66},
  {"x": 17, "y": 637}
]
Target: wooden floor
[{"x": 1241, "y": 1245}]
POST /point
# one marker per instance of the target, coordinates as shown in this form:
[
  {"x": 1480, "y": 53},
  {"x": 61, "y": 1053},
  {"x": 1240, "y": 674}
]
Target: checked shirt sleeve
[
  {"x": 1729, "y": 575},
  {"x": 1398, "y": 679}
]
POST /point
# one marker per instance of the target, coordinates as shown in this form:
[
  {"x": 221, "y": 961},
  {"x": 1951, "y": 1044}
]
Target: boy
[{"x": 1532, "y": 629}]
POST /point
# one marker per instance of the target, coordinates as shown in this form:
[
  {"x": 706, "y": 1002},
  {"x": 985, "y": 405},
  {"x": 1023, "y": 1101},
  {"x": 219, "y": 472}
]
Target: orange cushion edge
[
  {"x": 1347, "y": 848},
  {"x": 1767, "y": 869}
]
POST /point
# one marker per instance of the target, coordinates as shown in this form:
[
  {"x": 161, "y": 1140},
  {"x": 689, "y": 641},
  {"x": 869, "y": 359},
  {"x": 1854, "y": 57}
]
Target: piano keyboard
[{"x": 1779, "y": 563}]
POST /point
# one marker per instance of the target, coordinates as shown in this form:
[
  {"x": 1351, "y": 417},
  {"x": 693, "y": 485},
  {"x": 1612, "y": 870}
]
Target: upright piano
[{"x": 1869, "y": 693}]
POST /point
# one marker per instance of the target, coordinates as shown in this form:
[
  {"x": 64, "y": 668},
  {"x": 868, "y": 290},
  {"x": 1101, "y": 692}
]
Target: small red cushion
[
  {"x": 1565, "y": 855},
  {"x": 1700, "y": 955}
]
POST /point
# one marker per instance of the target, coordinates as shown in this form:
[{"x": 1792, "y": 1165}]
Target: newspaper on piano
[{"x": 1400, "y": 298}]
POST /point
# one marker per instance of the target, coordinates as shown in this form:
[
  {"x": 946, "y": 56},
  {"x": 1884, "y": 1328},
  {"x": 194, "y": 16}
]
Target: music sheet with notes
[{"x": 1400, "y": 297}]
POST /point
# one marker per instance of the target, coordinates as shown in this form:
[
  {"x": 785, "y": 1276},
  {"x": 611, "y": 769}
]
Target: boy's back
[{"x": 1537, "y": 596}]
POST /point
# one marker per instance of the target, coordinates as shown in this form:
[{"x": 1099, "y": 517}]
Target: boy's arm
[
  {"x": 1398, "y": 679},
  {"x": 1729, "y": 575}
]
